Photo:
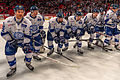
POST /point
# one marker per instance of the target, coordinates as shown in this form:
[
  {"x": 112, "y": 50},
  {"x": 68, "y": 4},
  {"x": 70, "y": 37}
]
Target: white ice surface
[{"x": 94, "y": 65}]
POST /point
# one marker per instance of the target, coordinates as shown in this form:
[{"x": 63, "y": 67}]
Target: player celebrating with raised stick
[
  {"x": 38, "y": 34},
  {"x": 17, "y": 34}
]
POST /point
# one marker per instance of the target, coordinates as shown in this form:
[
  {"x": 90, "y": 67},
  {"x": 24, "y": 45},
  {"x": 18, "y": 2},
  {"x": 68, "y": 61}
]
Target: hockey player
[
  {"x": 75, "y": 28},
  {"x": 99, "y": 28},
  {"x": 118, "y": 20},
  {"x": 91, "y": 20},
  {"x": 17, "y": 34},
  {"x": 57, "y": 28},
  {"x": 38, "y": 34},
  {"x": 111, "y": 27}
]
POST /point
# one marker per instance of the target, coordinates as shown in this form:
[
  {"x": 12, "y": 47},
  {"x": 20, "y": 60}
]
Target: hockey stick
[
  {"x": 104, "y": 48},
  {"x": 81, "y": 40},
  {"x": 103, "y": 34},
  {"x": 61, "y": 55},
  {"x": 107, "y": 36},
  {"x": 57, "y": 53},
  {"x": 57, "y": 61}
]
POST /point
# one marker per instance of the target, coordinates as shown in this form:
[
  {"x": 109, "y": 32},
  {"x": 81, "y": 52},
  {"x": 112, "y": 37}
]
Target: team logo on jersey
[
  {"x": 33, "y": 27},
  {"x": 74, "y": 28},
  {"x": 18, "y": 35}
]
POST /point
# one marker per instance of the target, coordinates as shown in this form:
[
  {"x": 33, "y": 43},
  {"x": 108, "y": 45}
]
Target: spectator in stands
[{"x": 53, "y": 6}]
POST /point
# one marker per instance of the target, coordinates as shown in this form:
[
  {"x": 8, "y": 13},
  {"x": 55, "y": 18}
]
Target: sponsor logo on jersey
[
  {"x": 23, "y": 25},
  {"x": 11, "y": 25}
]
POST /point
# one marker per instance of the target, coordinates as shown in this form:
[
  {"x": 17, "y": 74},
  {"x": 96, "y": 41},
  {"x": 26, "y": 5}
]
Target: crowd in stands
[{"x": 53, "y": 6}]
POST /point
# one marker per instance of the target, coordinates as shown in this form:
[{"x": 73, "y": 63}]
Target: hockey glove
[
  {"x": 43, "y": 34},
  {"x": 27, "y": 48},
  {"x": 62, "y": 39},
  {"x": 56, "y": 39},
  {"x": 71, "y": 34}
]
